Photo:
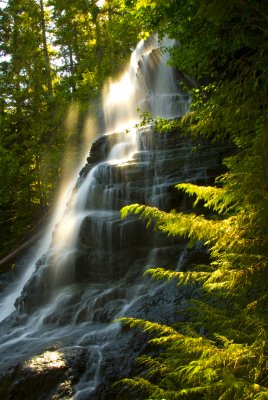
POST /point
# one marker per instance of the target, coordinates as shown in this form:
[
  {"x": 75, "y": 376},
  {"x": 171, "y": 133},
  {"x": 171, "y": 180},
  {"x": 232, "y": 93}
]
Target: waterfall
[{"x": 92, "y": 271}]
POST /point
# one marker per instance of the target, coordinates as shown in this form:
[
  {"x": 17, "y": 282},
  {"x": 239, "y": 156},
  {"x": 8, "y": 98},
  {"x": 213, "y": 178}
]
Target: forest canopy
[{"x": 54, "y": 58}]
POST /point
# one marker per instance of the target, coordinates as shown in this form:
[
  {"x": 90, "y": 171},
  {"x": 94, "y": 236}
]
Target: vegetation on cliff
[{"x": 222, "y": 352}]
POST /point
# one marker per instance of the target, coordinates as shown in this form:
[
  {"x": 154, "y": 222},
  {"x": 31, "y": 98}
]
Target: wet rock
[
  {"x": 102, "y": 278},
  {"x": 50, "y": 375}
]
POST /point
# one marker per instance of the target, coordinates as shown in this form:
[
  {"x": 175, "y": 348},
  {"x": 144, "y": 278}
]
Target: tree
[
  {"x": 87, "y": 36},
  {"x": 45, "y": 48},
  {"x": 223, "y": 45},
  {"x": 26, "y": 117},
  {"x": 54, "y": 55}
]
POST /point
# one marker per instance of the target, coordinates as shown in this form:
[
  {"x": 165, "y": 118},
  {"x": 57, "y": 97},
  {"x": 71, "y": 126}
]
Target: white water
[
  {"x": 7, "y": 305},
  {"x": 147, "y": 85},
  {"x": 77, "y": 310}
]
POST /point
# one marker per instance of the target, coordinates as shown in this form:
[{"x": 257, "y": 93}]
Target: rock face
[
  {"x": 51, "y": 375},
  {"x": 93, "y": 273}
]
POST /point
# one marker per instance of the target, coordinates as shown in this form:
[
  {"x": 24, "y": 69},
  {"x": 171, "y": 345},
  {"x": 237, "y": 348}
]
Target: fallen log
[
  {"x": 12, "y": 257},
  {"x": 25, "y": 244}
]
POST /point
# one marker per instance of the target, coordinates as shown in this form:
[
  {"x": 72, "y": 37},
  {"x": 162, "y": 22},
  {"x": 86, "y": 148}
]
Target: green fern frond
[
  {"x": 145, "y": 385},
  {"x": 153, "y": 366},
  {"x": 188, "y": 392},
  {"x": 213, "y": 197},
  {"x": 162, "y": 273},
  {"x": 182, "y": 277},
  {"x": 147, "y": 326},
  {"x": 228, "y": 239},
  {"x": 223, "y": 339},
  {"x": 167, "y": 340},
  {"x": 195, "y": 227}
]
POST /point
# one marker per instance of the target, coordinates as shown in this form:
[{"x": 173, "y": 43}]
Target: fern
[
  {"x": 183, "y": 278},
  {"x": 221, "y": 353},
  {"x": 150, "y": 327},
  {"x": 213, "y": 197}
]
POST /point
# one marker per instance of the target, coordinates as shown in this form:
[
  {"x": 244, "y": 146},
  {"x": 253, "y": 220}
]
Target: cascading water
[{"x": 92, "y": 272}]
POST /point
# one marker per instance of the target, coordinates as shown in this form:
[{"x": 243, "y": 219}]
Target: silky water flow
[{"x": 89, "y": 268}]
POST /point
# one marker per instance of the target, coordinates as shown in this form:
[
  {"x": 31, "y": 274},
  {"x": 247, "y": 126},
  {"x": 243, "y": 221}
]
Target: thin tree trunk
[
  {"x": 45, "y": 49},
  {"x": 14, "y": 255},
  {"x": 95, "y": 15},
  {"x": 112, "y": 52},
  {"x": 36, "y": 232},
  {"x": 72, "y": 68}
]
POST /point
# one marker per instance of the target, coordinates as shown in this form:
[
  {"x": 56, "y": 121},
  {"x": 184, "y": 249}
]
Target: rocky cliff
[{"x": 61, "y": 341}]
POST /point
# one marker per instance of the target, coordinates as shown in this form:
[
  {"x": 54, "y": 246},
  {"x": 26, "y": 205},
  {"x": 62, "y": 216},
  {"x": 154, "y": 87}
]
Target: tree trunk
[
  {"x": 36, "y": 232},
  {"x": 45, "y": 49},
  {"x": 72, "y": 68},
  {"x": 11, "y": 257},
  {"x": 98, "y": 50}
]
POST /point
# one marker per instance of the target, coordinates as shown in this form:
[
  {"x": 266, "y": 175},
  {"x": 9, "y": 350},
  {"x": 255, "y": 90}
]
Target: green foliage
[
  {"x": 195, "y": 227},
  {"x": 92, "y": 44},
  {"x": 191, "y": 365},
  {"x": 230, "y": 362},
  {"x": 26, "y": 117},
  {"x": 221, "y": 353},
  {"x": 161, "y": 124},
  {"x": 54, "y": 53},
  {"x": 196, "y": 367},
  {"x": 213, "y": 197}
]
